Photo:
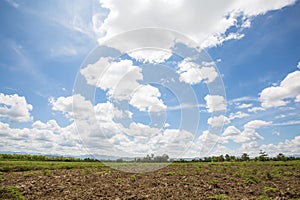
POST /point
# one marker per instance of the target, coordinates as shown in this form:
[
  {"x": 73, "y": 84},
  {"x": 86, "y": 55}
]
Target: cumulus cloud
[
  {"x": 118, "y": 78},
  {"x": 146, "y": 98},
  {"x": 15, "y": 108},
  {"x": 207, "y": 23},
  {"x": 288, "y": 147},
  {"x": 276, "y": 96},
  {"x": 238, "y": 114},
  {"x": 255, "y": 124},
  {"x": 45, "y": 138},
  {"x": 101, "y": 133},
  {"x": 215, "y": 103},
  {"x": 150, "y": 55},
  {"x": 244, "y": 105},
  {"x": 218, "y": 121},
  {"x": 255, "y": 109},
  {"x": 192, "y": 73},
  {"x": 249, "y": 134},
  {"x": 231, "y": 130}
]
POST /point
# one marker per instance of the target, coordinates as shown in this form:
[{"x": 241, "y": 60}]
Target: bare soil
[{"x": 176, "y": 181}]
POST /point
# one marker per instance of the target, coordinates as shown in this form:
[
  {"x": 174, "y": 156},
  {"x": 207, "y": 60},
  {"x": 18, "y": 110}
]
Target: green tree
[
  {"x": 263, "y": 156},
  {"x": 281, "y": 157},
  {"x": 245, "y": 157}
]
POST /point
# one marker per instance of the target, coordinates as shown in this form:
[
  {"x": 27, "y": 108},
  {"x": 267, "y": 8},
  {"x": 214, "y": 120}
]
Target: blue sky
[{"x": 96, "y": 77}]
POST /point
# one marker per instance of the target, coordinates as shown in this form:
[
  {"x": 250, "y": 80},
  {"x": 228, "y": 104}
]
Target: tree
[
  {"x": 281, "y": 157},
  {"x": 227, "y": 157},
  {"x": 221, "y": 158},
  {"x": 245, "y": 157},
  {"x": 263, "y": 156}
]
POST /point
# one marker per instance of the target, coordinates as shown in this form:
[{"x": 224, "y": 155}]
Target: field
[{"x": 190, "y": 180}]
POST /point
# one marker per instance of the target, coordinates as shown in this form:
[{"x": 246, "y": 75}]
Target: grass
[
  {"x": 17, "y": 166},
  {"x": 252, "y": 180},
  {"x": 214, "y": 183},
  {"x": 218, "y": 196},
  {"x": 10, "y": 192},
  {"x": 170, "y": 173},
  {"x": 28, "y": 174},
  {"x": 270, "y": 189}
]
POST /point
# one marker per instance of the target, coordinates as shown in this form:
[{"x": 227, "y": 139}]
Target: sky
[{"x": 131, "y": 78}]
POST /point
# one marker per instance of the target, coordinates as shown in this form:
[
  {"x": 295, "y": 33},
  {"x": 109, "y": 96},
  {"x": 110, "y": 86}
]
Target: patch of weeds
[
  {"x": 288, "y": 173},
  {"x": 1, "y": 176},
  {"x": 28, "y": 174},
  {"x": 85, "y": 171},
  {"x": 218, "y": 196},
  {"x": 277, "y": 172},
  {"x": 10, "y": 192},
  {"x": 252, "y": 180},
  {"x": 270, "y": 189},
  {"x": 133, "y": 177},
  {"x": 100, "y": 173},
  {"x": 184, "y": 183},
  {"x": 211, "y": 164},
  {"x": 46, "y": 172},
  {"x": 109, "y": 173},
  {"x": 232, "y": 179},
  {"x": 221, "y": 170},
  {"x": 182, "y": 172},
  {"x": 170, "y": 173},
  {"x": 262, "y": 197},
  {"x": 198, "y": 170},
  {"x": 237, "y": 175},
  {"x": 214, "y": 183},
  {"x": 254, "y": 171},
  {"x": 120, "y": 180},
  {"x": 268, "y": 176}
]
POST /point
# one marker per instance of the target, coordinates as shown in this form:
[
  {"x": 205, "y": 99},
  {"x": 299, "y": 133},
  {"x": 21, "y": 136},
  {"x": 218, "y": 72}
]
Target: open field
[{"x": 93, "y": 180}]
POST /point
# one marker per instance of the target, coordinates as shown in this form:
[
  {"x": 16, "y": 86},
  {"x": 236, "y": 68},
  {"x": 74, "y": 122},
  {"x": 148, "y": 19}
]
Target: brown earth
[{"x": 177, "y": 181}]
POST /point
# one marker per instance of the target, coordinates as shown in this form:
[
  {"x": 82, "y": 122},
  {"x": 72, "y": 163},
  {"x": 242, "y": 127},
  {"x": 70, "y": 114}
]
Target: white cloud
[
  {"x": 238, "y": 114},
  {"x": 192, "y": 73},
  {"x": 255, "y": 109},
  {"x": 146, "y": 98},
  {"x": 45, "y": 138},
  {"x": 119, "y": 78},
  {"x": 215, "y": 103},
  {"x": 298, "y": 65},
  {"x": 287, "y": 147},
  {"x": 141, "y": 130},
  {"x": 244, "y": 105},
  {"x": 15, "y": 108},
  {"x": 276, "y": 96},
  {"x": 249, "y": 133},
  {"x": 212, "y": 18},
  {"x": 218, "y": 121},
  {"x": 150, "y": 55},
  {"x": 231, "y": 130},
  {"x": 255, "y": 124},
  {"x": 297, "y": 98}
]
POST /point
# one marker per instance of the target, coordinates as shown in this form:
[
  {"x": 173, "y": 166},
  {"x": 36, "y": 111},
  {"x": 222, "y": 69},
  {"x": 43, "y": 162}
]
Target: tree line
[
  {"x": 29, "y": 157},
  {"x": 263, "y": 156}
]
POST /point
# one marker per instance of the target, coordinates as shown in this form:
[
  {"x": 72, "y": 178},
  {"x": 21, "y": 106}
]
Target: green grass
[
  {"x": 10, "y": 192},
  {"x": 28, "y": 174},
  {"x": 17, "y": 166},
  {"x": 170, "y": 173},
  {"x": 218, "y": 196},
  {"x": 270, "y": 189}
]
